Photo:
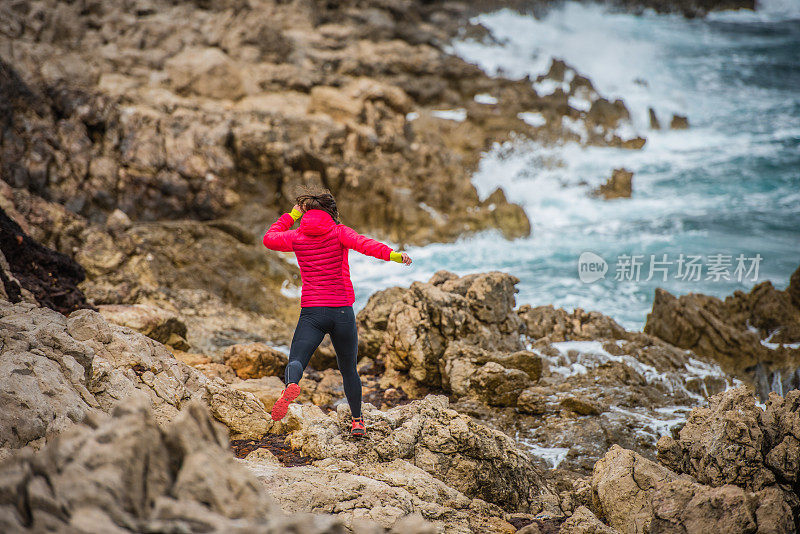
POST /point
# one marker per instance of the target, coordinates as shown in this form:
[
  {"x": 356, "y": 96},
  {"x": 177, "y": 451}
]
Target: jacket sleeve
[
  {"x": 369, "y": 247},
  {"x": 278, "y": 236}
]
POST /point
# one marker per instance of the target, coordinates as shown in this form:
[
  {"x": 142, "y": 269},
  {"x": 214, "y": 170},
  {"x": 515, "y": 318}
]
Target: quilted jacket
[{"x": 321, "y": 247}]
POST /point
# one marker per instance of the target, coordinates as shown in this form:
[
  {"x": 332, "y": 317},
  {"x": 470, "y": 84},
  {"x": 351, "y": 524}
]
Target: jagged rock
[
  {"x": 620, "y": 185},
  {"x": 510, "y": 218},
  {"x": 477, "y": 309},
  {"x": 168, "y": 134},
  {"x": 637, "y": 495},
  {"x": 735, "y": 442},
  {"x": 60, "y": 369},
  {"x": 217, "y": 370},
  {"x": 44, "y": 375},
  {"x": 581, "y": 406},
  {"x": 255, "y": 360},
  {"x": 623, "y": 484},
  {"x": 721, "y": 330},
  {"x": 381, "y": 492},
  {"x": 794, "y": 288},
  {"x": 152, "y": 321},
  {"x": 227, "y": 290},
  {"x": 690, "y": 322},
  {"x": 128, "y": 474},
  {"x": 691, "y": 508},
  {"x": 469, "y": 457},
  {"x": 654, "y": 123},
  {"x": 616, "y": 387},
  {"x": 767, "y": 309},
  {"x": 373, "y": 319},
  {"x": 679, "y": 122},
  {"x": 583, "y": 521},
  {"x": 494, "y": 377},
  {"x": 205, "y": 72},
  {"x": 267, "y": 389},
  {"x": 557, "y": 324}
]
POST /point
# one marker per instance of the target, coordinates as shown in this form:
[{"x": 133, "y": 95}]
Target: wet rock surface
[
  {"x": 620, "y": 185},
  {"x": 752, "y": 335},
  {"x": 566, "y": 385},
  {"x": 46, "y": 275}
]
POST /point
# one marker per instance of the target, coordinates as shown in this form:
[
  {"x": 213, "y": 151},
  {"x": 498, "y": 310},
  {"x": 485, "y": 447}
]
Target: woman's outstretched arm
[
  {"x": 278, "y": 236},
  {"x": 370, "y": 247}
]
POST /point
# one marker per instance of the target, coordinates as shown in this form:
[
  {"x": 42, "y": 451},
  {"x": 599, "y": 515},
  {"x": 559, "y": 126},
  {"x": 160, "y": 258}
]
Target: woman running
[{"x": 321, "y": 245}]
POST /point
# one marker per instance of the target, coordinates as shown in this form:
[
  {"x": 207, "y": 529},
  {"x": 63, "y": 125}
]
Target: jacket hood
[{"x": 316, "y": 222}]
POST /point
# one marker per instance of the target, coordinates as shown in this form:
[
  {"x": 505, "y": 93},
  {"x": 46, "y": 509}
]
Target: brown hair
[{"x": 318, "y": 199}]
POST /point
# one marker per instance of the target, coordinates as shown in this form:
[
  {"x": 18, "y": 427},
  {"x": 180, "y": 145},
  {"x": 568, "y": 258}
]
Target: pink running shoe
[{"x": 281, "y": 406}]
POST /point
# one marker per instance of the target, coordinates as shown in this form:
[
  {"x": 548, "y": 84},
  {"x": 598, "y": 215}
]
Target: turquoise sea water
[{"x": 729, "y": 186}]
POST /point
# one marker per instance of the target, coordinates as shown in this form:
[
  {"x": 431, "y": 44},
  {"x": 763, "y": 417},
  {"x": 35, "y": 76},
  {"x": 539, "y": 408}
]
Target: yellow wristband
[
  {"x": 295, "y": 214},
  {"x": 396, "y": 256}
]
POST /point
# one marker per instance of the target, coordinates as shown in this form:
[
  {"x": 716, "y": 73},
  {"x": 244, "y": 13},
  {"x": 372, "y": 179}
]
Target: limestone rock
[
  {"x": 581, "y": 406},
  {"x": 734, "y": 442},
  {"x": 205, "y": 72},
  {"x": 381, "y": 492},
  {"x": 152, "y": 321},
  {"x": 128, "y": 474},
  {"x": 267, "y": 389},
  {"x": 45, "y": 375},
  {"x": 623, "y": 484},
  {"x": 620, "y": 185},
  {"x": 557, "y": 324},
  {"x": 721, "y": 330},
  {"x": 630, "y": 389},
  {"x": 494, "y": 377},
  {"x": 583, "y": 521},
  {"x": 679, "y": 122},
  {"x": 477, "y": 309},
  {"x": 691, "y": 508},
  {"x": 255, "y": 360},
  {"x": 471, "y": 458},
  {"x": 637, "y": 495},
  {"x": 373, "y": 319},
  {"x": 61, "y": 369}
]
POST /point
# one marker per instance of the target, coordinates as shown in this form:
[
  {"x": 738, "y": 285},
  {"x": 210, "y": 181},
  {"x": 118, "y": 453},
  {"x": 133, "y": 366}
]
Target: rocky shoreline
[
  {"x": 495, "y": 418},
  {"x": 145, "y": 144}
]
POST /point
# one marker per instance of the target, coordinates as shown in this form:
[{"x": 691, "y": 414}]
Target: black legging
[{"x": 340, "y": 323}]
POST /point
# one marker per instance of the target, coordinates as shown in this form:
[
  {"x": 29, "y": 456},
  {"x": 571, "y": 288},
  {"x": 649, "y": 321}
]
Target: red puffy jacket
[{"x": 321, "y": 248}]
